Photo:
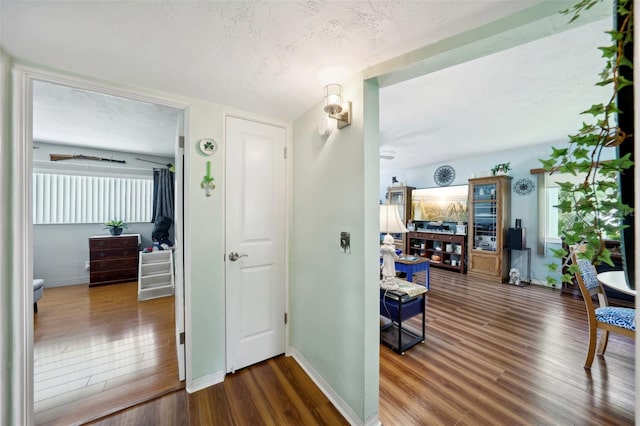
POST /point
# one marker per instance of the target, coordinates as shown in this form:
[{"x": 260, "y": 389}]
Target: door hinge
[
  {"x": 286, "y": 318},
  {"x": 285, "y": 152},
  {"x": 182, "y": 338},
  {"x": 180, "y": 141}
]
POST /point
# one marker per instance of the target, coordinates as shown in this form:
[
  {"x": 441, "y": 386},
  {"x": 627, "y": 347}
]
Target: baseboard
[
  {"x": 64, "y": 283},
  {"x": 204, "y": 382},
  {"x": 335, "y": 399},
  {"x": 539, "y": 282}
]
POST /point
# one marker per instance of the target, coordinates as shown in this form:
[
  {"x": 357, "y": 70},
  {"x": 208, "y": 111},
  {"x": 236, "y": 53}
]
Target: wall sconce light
[{"x": 334, "y": 107}]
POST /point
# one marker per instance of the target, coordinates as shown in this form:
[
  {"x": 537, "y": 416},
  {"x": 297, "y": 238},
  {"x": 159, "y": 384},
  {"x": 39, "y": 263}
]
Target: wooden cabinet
[
  {"x": 401, "y": 196},
  {"x": 156, "y": 275},
  {"x": 449, "y": 248},
  {"x": 489, "y": 207},
  {"x": 113, "y": 259}
]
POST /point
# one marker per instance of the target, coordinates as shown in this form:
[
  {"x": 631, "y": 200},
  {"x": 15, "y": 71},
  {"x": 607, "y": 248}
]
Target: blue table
[
  {"x": 398, "y": 306},
  {"x": 410, "y": 267}
]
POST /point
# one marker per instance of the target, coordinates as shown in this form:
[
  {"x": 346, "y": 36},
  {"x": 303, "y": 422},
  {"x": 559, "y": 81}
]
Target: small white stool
[{"x": 38, "y": 289}]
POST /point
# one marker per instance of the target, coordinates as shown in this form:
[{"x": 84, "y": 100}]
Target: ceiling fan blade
[{"x": 387, "y": 154}]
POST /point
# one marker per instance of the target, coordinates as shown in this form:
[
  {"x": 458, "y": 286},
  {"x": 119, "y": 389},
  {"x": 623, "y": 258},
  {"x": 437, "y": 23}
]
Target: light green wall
[
  {"x": 204, "y": 229},
  {"x": 371, "y": 295},
  {"x": 332, "y": 296},
  {"x": 204, "y": 242}
]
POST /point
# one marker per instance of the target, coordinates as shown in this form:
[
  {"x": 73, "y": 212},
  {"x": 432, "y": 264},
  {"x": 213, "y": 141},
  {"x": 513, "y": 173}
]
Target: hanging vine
[{"x": 594, "y": 205}]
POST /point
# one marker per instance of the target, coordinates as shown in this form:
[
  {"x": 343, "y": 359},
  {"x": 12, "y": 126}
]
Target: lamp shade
[
  {"x": 390, "y": 222},
  {"x": 333, "y": 98}
]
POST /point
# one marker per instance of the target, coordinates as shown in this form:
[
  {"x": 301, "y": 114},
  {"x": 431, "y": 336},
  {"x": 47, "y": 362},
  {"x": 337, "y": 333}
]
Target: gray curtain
[{"x": 162, "y": 194}]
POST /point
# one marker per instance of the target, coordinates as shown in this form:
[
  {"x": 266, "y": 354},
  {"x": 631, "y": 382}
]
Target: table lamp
[{"x": 389, "y": 223}]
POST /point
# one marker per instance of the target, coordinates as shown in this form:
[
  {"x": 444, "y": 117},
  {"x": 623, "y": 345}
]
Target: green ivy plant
[
  {"x": 502, "y": 167},
  {"x": 593, "y": 203}
]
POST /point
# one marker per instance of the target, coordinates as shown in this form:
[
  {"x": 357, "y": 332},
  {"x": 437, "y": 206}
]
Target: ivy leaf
[
  {"x": 608, "y": 51},
  {"x": 547, "y": 164},
  {"x": 623, "y": 82},
  {"x": 605, "y": 81},
  {"x": 625, "y": 161},
  {"x": 605, "y": 257},
  {"x": 559, "y": 152},
  {"x": 595, "y": 110},
  {"x": 624, "y": 62},
  {"x": 567, "y": 278},
  {"x": 565, "y": 206},
  {"x": 560, "y": 252},
  {"x": 581, "y": 153},
  {"x": 615, "y": 34}
]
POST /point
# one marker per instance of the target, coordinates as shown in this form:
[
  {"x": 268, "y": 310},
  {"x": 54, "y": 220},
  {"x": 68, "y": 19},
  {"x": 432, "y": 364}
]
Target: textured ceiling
[
  {"x": 261, "y": 57},
  {"x": 69, "y": 116},
  {"x": 268, "y": 58},
  {"x": 527, "y": 95}
]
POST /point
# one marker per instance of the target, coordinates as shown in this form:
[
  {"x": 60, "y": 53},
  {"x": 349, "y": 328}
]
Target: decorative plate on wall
[
  {"x": 207, "y": 146},
  {"x": 524, "y": 186},
  {"x": 444, "y": 175}
]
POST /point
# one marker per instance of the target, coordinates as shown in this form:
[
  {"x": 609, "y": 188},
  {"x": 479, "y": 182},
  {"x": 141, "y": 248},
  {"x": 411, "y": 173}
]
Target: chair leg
[
  {"x": 35, "y": 307},
  {"x": 603, "y": 342},
  {"x": 591, "y": 351}
]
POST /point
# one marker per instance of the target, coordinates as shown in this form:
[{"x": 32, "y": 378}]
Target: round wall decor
[
  {"x": 444, "y": 175},
  {"x": 524, "y": 186},
  {"x": 207, "y": 146}
]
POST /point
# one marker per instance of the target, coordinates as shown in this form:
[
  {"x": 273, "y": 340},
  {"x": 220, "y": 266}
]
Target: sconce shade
[
  {"x": 333, "y": 98},
  {"x": 390, "y": 222}
]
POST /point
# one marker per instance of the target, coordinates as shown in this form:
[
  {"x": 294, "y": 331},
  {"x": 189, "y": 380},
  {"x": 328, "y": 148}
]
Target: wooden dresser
[{"x": 113, "y": 259}]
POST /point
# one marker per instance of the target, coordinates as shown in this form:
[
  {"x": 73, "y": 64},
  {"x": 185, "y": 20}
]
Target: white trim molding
[
  {"x": 331, "y": 394},
  {"x": 21, "y": 317},
  {"x": 204, "y": 382},
  {"x": 22, "y": 265}
]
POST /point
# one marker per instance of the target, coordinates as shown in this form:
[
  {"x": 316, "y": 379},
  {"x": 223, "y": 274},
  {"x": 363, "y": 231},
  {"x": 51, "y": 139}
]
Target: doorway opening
[{"x": 97, "y": 349}]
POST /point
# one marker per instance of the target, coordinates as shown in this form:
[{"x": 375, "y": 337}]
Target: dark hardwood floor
[
  {"x": 97, "y": 350},
  {"x": 501, "y": 354},
  {"x": 274, "y": 392},
  {"x": 495, "y": 354}
]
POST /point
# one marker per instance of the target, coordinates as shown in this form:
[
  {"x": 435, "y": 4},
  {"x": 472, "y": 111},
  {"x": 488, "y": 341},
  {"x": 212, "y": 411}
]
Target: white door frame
[
  {"x": 21, "y": 209},
  {"x": 287, "y": 203},
  {"x": 285, "y": 195}
]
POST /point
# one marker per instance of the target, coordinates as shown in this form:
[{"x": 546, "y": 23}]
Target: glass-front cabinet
[
  {"x": 489, "y": 215},
  {"x": 400, "y": 196},
  {"x": 485, "y": 214}
]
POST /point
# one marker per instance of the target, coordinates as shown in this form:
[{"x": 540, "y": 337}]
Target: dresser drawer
[
  {"x": 106, "y": 277},
  {"x": 115, "y": 253},
  {"x": 113, "y": 242},
  {"x": 114, "y": 264}
]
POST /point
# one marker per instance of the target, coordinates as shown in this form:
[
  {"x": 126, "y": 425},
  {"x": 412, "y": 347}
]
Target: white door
[
  {"x": 255, "y": 230},
  {"x": 178, "y": 254}
]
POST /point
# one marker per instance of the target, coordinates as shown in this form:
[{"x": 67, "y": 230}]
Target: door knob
[{"x": 233, "y": 256}]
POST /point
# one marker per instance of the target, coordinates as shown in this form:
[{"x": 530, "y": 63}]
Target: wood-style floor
[
  {"x": 98, "y": 349},
  {"x": 273, "y": 392},
  {"x": 494, "y": 354},
  {"x": 497, "y": 354}
]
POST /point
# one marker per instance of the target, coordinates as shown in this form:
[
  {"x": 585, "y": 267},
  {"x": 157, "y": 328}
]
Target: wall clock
[
  {"x": 524, "y": 186},
  {"x": 444, "y": 175}
]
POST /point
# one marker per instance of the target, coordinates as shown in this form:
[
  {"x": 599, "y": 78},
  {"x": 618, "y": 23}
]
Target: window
[
  {"x": 65, "y": 199},
  {"x": 550, "y": 220}
]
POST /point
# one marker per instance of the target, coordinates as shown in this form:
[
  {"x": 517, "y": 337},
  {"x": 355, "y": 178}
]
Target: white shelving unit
[{"x": 155, "y": 274}]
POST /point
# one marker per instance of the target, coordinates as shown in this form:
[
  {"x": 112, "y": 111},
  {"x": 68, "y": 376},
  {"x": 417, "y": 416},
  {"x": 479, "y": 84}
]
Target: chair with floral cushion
[{"x": 607, "y": 318}]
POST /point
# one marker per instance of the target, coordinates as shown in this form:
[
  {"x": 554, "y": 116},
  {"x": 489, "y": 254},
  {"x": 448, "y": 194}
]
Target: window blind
[{"x": 59, "y": 199}]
